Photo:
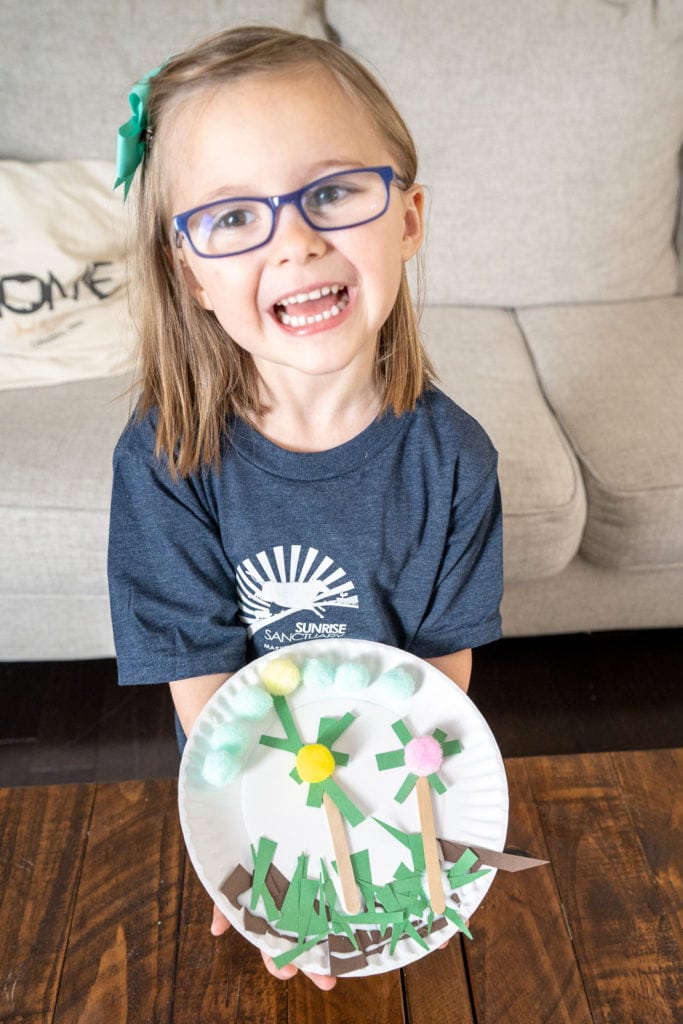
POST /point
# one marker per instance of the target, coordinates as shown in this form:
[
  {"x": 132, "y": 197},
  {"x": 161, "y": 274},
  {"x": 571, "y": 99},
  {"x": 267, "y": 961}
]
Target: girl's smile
[
  {"x": 316, "y": 309},
  {"x": 330, "y": 291}
]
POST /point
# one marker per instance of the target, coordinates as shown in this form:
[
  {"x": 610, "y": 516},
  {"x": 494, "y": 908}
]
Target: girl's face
[{"x": 269, "y": 134}]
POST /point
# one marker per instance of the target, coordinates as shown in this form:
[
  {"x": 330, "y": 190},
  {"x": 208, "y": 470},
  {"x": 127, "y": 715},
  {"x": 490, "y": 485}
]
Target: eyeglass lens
[{"x": 337, "y": 201}]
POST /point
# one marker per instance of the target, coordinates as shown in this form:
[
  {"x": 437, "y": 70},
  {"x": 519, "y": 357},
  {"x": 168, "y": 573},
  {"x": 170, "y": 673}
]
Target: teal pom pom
[
  {"x": 317, "y": 674},
  {"x": 220, "y": 767},
  {"x": 397, "y": 683},
  {"x": 351, "y": 675},
  {"x": 252, "y": 703},
  {"x": 230, "y": 736}
]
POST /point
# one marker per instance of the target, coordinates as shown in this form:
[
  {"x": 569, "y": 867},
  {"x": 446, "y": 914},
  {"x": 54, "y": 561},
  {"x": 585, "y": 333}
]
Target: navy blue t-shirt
[{"x": 394, "y": 536}]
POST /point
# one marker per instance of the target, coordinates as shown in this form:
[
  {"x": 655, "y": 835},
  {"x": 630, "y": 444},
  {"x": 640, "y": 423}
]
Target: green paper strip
[
  {"x": 411, "y": 896},
  {"x": 380, "y": 918},
  {"x": 362, "y": 872},
  {"x": 465, "y": 862},
  {"x": 309, "y": 918},
  {"x": 403, "y": 872},
  {"x": 360, "y": 862},
  {"x": 439, "y": 735},
  {"x": 402, "y": 731},
  {"x": 285, "y": 715},
  {"x": 397, "y": 833},
  {"x": 412, "y": 840},
  {"x": 330, "y": 729},
  {"x": 263, "y": 858},
  {"x": 343, "y": 802},
  {"x": 290, "y": 913},
  {"x": 327, "y": 887},
  {"x": 412, "y": 931},
  {"x": 436, "y": 783},
  {"x": 391, "y": 759},
  {"x": 461, "y": 873},
  {"x": 340, "y": 926},
  {"x": 293, "y": 741},
  {"x": 406, "y": 788},
  {"x": 388, "y": 898},
  {"x": 293, "y": 746},
  {"x": 451, "y": 747},
  {"x": 286, "y": 958},
  {"x": 455, "y": 917},
  {"x": 339, "y": 757},
  {"x": 315, "y": 795},
  {"x": 458, "y": 881}
]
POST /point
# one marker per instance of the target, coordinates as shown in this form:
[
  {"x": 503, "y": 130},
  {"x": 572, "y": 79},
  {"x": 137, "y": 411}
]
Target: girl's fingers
[
  {"x": 322, "y": 981},
  {"x": 219, "y": 923}
]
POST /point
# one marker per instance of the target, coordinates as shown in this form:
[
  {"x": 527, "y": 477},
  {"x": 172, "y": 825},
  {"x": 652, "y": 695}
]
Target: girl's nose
[{"x": 294, "y": 239}]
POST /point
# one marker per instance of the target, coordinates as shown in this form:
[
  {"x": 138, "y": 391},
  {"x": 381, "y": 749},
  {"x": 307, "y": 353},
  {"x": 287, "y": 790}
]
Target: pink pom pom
[{"x": 423, "y": 755}]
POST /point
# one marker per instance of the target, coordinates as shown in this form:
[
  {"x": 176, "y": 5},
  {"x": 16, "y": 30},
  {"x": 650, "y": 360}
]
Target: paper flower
[
  {"x": 316, "y": 762},
  {"x": 421, "y": 755}
]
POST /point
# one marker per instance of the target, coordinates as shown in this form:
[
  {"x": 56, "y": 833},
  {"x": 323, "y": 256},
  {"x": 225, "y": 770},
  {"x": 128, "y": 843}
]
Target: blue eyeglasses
[{"x": 230, "y": 227}]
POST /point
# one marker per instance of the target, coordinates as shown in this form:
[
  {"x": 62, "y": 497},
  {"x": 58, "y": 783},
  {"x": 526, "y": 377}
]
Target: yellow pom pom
[
  {"x": 314, "y": 763},
  {"x": 280, "y": 676}
]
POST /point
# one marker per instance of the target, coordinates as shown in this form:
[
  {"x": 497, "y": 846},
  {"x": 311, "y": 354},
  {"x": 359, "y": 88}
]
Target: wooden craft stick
[
  {"x": 431, "y": 850},
  {"x": 342, "y": 855}
]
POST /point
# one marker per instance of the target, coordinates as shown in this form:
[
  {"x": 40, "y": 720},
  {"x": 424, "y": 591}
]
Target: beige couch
[{"x": 550, "y": 134}]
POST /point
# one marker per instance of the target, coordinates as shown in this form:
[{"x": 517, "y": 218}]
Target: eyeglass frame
[{"x": 274, "y": 203}]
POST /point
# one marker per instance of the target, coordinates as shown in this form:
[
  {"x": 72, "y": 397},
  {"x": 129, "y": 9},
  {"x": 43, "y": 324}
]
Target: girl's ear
[
  {"x": 193, "y": 284},
  {"x": 413, "y": 221}
]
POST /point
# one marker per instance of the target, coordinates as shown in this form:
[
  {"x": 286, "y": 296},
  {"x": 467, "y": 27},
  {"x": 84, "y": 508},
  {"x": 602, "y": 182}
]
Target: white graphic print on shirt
[{"x": 278, "y": 584}]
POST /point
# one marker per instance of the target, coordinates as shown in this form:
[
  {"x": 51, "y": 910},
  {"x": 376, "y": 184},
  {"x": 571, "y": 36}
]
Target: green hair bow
[{"x": 131, "y": 142}]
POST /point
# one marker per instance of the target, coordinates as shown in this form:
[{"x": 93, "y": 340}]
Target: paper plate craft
[{"x": 297, "y": 809}]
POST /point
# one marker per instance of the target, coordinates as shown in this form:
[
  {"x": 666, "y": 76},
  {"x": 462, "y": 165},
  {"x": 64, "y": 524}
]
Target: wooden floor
[{"x": 70, "y": 722}]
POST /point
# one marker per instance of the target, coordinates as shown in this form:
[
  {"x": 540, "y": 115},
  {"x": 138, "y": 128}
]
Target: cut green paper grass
[{"x": 398, "y": 908}]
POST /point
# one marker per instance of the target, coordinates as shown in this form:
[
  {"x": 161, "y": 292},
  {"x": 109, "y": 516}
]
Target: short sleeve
[
  {"x": 172, "y": 591},
  {"x": 465, "y": 607}
]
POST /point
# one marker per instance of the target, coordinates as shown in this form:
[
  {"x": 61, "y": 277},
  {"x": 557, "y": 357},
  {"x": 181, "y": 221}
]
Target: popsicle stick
[
  {"x": 342, "y": 855},
  {"x": 431, "y": 850}
]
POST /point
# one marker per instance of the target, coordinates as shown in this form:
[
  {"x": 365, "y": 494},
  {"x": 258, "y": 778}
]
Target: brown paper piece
[{"x": 517, "y": 861}]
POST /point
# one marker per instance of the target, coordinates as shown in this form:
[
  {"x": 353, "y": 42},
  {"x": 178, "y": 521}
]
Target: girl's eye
[
  {"x": 231, "y": 218},
  {"x": 327, "y": 195}
]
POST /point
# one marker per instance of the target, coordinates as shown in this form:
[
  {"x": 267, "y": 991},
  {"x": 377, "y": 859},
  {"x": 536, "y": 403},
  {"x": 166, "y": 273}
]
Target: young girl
[{"x": 292, "y": 471}]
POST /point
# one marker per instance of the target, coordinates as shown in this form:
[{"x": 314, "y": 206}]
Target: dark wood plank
[
  {"x": 437, "y": 989},
  {"x": 521, "y": 960},
  {"x": 220, "y": 980},
  {"x": 625, "y": 944},
  {"x": 378, "y": 999},
  {"x": 42, "y": 837},
  {"x": 120, "y": 962},
  {"x": 653, "y": 783}
]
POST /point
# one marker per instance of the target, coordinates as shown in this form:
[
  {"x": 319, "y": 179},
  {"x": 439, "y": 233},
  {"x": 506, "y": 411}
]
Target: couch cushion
[
  {"x": 56, "y": 486},
  {"x": 63, "y": 298},
  {"x": 60, "y": 113},
  {"x": 485, "y": 367},
  {"x": 613, "y": 375},
  {"x": 549, "y": 135}
]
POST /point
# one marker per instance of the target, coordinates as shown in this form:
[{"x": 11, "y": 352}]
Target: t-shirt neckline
[{"x": 325, "y": 465}]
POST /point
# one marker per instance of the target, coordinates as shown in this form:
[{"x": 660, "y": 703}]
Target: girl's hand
[{"x": 220, "y": 925}]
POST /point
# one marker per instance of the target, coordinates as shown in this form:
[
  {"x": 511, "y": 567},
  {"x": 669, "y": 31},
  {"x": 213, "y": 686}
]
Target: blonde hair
[{"x": 191, "y": 371}]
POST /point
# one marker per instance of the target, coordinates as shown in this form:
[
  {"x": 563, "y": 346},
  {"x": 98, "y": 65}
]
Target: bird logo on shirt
[{"x": 272, "y": 587}]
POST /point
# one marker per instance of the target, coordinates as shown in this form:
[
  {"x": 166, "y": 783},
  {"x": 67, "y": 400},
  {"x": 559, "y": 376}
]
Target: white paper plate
[{"x": 220, "y": 823}]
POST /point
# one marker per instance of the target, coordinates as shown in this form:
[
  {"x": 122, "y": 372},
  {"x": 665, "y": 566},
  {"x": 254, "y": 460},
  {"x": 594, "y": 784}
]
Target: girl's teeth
[
  {"x": 305, "y": 321},
  {"x": 313, "y": 318},
  {"x": 317, "y": 293}
]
